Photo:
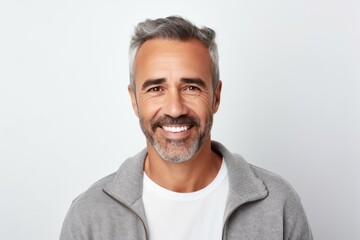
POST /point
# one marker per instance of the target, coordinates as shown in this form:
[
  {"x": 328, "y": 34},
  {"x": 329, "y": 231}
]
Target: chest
[{"x": 195, "y": 216}]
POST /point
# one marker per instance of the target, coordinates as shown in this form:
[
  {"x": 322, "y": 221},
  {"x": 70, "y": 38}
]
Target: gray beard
[{"x": 172, "y": 155}]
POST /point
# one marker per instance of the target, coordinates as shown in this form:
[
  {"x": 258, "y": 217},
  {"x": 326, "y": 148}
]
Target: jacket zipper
[
  {"x": 226, "y": 221},
  {"x": 131, "y": 210}
]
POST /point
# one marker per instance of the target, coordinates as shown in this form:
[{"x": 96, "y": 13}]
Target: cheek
[
  {"x": 201, "y": 104},
  {"x": 148, "y": 109},
  {"x": 201, "y": 109}
]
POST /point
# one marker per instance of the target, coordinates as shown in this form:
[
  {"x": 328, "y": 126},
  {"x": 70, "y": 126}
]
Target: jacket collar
[
  {"x": 244, "y": 185},
  {"x": 127, "y": 185}
]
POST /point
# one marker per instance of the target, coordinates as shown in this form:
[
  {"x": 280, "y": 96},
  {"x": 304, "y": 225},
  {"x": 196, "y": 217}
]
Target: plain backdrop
[{"x": 290, "y": 101}]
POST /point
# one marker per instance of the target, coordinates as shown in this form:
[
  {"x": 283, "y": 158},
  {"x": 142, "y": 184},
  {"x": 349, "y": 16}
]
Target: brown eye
[
  {"x": 192, "y": 88},
  {"x": 154, "y": 89}
]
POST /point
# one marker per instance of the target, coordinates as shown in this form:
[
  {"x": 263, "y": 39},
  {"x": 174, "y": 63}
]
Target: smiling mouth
[{"x": 176, "y": 129}]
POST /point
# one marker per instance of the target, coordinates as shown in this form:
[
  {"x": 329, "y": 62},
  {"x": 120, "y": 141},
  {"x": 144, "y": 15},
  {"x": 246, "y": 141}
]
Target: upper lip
[{"x": 176, "y": 126}]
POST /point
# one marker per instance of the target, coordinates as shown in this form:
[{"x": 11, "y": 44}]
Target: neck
[{"x": 189, "y": 176}]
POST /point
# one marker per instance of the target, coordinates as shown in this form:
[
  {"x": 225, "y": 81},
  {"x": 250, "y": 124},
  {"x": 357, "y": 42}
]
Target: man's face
[{"x": 174, "y": 97}]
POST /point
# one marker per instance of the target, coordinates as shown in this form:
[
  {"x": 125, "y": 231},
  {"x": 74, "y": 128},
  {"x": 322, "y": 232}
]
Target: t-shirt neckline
[{"x": 154, "y": 188}]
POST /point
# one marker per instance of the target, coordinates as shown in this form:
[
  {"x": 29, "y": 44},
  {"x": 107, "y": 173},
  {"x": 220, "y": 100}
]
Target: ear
[
  {"x": 133, "y": 100},
  {"x": 217, "y": 94}
]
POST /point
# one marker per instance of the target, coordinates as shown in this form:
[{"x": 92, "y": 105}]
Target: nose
[{"x": 174, "y": 105}]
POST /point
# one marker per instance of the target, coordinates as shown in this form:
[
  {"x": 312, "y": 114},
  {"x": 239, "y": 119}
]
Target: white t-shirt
[{"x": 191, "y": 216}]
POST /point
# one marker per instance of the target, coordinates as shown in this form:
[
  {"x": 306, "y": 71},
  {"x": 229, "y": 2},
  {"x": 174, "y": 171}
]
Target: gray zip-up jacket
[{"x": 260, "y": 205}]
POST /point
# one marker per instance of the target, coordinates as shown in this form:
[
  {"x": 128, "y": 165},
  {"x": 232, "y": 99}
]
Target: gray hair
[{"x": 177, "y": 28}]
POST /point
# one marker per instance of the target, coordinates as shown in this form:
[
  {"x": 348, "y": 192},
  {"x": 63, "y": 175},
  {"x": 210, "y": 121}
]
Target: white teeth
[{"x": 176, "y": 129}]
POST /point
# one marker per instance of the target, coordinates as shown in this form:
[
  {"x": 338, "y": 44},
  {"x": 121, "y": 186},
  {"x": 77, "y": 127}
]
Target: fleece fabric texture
[{"x": 260, "y": 205}]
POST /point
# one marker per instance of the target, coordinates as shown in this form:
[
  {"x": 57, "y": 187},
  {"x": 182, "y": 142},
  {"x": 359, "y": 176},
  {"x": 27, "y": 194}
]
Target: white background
[{"x": 290, "y": 101}]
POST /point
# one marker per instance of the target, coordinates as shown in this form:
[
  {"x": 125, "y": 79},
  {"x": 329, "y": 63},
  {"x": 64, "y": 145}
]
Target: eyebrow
[
  {"x": 151, "y": 82},
  {"x": 197, "y": 81}
]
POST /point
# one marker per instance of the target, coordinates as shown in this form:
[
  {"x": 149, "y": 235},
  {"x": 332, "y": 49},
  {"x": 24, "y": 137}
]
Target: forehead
[
  {"x": 165, "y": 56},
  {"x": 162, "y": 45}
]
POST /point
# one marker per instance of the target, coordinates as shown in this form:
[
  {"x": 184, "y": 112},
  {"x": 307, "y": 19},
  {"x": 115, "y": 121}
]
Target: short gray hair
[{"x": 177, "y": 28}]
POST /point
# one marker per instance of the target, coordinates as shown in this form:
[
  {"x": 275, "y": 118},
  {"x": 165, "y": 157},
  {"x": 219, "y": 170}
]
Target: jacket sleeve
[
  {"x": 296, "y": 226},
  {"x": 72, "y": 228}
]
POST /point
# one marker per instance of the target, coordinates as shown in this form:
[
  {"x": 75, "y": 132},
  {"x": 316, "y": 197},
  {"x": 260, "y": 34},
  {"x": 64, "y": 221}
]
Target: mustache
[{"x": 167, "y": 120}]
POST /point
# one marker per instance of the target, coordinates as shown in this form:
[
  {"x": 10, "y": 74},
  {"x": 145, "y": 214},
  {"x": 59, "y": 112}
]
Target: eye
[
  {"x": 154, "y": 89},
  {"x": 192, "y": 88},
  {"x": 191, "y": 91}
]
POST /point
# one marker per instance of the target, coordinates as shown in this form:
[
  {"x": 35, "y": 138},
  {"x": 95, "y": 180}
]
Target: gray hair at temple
[{"x": 177, "y": 28}]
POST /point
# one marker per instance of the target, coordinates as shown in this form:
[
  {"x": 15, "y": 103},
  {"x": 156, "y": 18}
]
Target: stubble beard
[{"x": 178, "y": 151}]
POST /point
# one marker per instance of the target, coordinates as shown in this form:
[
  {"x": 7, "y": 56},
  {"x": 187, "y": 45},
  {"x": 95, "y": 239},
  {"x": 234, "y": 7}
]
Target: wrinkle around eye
[
  {"x": 192, "y": 90},
  {"x": 153, "y": 91}
]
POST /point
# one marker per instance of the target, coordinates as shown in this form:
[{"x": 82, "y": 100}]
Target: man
[{"x": 183, "y": 185}]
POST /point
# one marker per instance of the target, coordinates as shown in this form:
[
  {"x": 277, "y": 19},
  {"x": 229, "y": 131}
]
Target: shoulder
[
  {"x": 280, "y": 209},
  {"x": 85, "y": 210},
  {"x": 126, "y": 180},
  {"x": 286, "y": 203},
  {"x": 93, "y": 195},
  {"x": 104, "y": 209},
  {"x": 275, "y": 184},
  {"x": 246, "y": 176},
  {"x": 89, "y": 205}
]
